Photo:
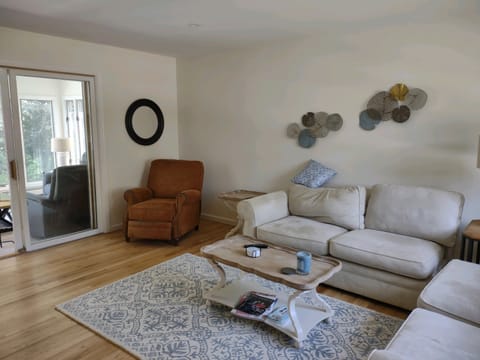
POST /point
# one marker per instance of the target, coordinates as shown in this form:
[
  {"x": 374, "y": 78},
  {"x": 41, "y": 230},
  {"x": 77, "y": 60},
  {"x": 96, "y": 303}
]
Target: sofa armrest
[
  {"x": 261, "y": 210},
  {"x": 137, "y": 195},
  {"x": 385, "y": 355}
]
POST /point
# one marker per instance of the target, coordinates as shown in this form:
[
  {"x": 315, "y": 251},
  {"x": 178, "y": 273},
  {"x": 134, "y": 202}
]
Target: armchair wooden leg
[{"x": 174, "y": 241}]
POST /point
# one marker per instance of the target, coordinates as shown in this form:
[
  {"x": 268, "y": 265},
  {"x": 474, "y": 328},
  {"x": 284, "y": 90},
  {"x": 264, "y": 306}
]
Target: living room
[{"x": 230, "y": 106}]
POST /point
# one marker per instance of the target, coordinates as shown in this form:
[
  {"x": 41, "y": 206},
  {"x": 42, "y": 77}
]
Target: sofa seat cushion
[
  {"x": 153, "y": 210},
  {"x": 455, "y": 292},
  {"x": 299, "y": 233},
  {"x": 428, "y": 335},
  {"x": 399, "y": 254}
]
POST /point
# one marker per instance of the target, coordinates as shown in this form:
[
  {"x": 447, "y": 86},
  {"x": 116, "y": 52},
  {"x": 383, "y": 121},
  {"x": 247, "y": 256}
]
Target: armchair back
[{"x": 169, "y": 177}]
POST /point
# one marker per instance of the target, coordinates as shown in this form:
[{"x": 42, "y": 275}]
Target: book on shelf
[{"x": 254, "y": 305}]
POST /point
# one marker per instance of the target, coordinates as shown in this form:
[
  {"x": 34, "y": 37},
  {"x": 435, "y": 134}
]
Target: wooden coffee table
[{"x": 302, "y": 316}]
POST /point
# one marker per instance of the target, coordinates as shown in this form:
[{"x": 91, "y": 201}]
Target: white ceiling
[{"x": 162, "y": 26}]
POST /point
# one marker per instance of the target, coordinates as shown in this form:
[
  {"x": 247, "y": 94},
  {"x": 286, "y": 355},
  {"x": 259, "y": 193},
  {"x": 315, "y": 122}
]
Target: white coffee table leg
[
  {"x": 292, "y": 312},
  {"x": 221, "y": 273},
  {"x": 235, "y": 229},
  {"x": 322, "y": 305}
]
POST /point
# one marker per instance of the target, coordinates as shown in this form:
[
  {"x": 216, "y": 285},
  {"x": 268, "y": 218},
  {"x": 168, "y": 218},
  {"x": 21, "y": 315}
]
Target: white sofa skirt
[{"x": 380, "y": 285}]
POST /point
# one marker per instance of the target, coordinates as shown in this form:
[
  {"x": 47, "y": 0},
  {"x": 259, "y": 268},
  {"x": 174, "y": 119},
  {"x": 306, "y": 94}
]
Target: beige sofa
[{"x": 390, "y": 245}]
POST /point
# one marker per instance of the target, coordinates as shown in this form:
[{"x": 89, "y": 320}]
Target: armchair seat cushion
[
  {"x": 158, "y": 209},
  {"x": 399, "y": 254},
  {"x": 301, "y": 233}
]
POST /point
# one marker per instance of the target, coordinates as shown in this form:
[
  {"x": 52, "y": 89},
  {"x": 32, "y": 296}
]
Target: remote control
[
  {"x": 279, "y": 315},
  {"x": 260, "y": 246}
]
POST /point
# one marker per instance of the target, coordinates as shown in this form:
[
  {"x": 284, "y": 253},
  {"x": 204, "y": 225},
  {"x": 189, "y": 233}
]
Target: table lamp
[{"x": 61, "y": 146}]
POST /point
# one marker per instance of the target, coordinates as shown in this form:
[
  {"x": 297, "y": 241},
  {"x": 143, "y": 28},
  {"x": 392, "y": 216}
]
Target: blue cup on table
[{"x": 304, "y": 262}]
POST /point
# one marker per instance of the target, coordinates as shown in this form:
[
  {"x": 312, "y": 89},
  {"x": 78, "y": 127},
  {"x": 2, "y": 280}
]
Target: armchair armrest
[
  {"x": 42, "y": 200},
  {"x": 136, "y": 195},
  {"x": 261, "y": 210},
  {"x": 189, "y": 196}
]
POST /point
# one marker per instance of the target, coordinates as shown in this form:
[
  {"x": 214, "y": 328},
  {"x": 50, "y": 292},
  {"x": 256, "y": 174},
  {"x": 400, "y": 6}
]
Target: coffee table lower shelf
[{"x": 302, "y": 316}]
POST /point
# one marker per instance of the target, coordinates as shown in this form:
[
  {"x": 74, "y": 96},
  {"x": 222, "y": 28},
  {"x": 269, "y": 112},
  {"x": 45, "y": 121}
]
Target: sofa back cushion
[
  {"x": 422, "y": 212},
  {"x": 341, "y": 206}
]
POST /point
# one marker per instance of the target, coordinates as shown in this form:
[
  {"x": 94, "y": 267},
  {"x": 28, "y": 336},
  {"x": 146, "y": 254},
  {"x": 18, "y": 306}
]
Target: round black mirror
[{"x": 129, "y": 122}]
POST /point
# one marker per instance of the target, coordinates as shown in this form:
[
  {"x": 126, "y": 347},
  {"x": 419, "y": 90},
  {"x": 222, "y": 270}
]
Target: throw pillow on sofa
[
  {"x": 314, "y": 175},
  {"x": 341, "y": 206}
]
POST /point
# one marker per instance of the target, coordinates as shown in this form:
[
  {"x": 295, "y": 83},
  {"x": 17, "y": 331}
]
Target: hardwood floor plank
[{"x": 33, "y": 283}]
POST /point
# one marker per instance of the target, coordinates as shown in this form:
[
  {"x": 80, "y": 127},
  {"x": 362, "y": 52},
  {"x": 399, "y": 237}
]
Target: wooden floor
[{"x": 33, "y": 283}]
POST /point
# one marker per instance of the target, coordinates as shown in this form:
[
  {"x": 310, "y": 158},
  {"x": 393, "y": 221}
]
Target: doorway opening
[{"x": 49, "y": 139}]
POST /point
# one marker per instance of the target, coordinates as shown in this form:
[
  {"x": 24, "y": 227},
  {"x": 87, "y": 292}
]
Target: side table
[
  {"x": 471, "y": 234},
  {"x": 231, "y": 199}
]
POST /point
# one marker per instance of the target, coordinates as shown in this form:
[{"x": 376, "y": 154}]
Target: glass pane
[
  {"x": 3, "y": 157},
  {"x": 37, "y": 125},
  {"x": 53, "y": 134}
]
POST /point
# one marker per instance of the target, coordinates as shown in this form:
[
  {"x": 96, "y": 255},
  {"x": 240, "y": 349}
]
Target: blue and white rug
[{"x": 160, "y": 313}]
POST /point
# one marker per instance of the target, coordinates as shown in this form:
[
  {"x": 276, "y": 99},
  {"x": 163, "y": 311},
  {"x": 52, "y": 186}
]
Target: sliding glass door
[{"x": 52, "y": 156}]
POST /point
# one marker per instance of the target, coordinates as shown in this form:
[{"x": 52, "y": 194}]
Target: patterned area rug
[{"x": 160, "y": 313}]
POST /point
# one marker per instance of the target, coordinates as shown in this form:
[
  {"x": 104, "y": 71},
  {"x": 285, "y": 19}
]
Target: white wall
[
  {"x": 121, "y": 76},
  {"x": 234, "y": 109}
]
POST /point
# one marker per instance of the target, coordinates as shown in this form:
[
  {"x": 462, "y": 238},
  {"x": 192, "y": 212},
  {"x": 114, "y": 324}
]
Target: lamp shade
[{"x": 61, "y": 144}]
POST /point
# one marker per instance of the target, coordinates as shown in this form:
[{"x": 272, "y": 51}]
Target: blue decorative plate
[
  {"x": 305, "y": 139},
  {"x": 366, "y": 122}
]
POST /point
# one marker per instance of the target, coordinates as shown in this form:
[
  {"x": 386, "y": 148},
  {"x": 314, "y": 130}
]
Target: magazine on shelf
[{"x": 254, "y": 305}]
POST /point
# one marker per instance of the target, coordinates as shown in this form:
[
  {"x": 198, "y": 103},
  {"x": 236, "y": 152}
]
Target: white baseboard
[
  {"x": 220, "y": 219},
  {"x": 116, "y": 227}
]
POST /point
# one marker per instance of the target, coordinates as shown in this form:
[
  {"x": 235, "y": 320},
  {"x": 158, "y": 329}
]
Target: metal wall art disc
[
  {"x": 293, "y": 130},
  {"x": 320, "y": 118},
  {"x": 374, "y": 114},
  {"x": 383, "y": 103},
  {"x": 401, "y": 114},
  {"x": 334, "y": 122},
  {"x": 306, "y": 139},
  {"x": 308, "y": 120},
  {"x": 399, "y": 91},
  {"x": 366, "y": 122},
  {"x": 416, "y": 99},
  {"x": 320, "y": 132}
]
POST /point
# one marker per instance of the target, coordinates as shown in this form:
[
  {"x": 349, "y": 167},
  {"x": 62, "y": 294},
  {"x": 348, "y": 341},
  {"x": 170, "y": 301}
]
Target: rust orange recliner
[{"x": 169, "y": 206}]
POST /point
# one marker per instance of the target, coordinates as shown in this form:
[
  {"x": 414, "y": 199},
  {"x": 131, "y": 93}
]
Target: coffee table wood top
[
  {"x": 4, "y": 204},
  {"x": 231, "y": 252}
]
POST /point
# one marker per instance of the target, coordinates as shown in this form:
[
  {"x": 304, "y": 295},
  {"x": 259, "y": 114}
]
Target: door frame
[{"x": 13, "y": 134}]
